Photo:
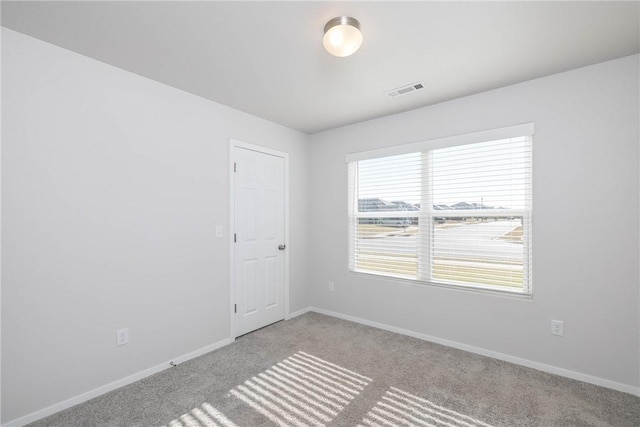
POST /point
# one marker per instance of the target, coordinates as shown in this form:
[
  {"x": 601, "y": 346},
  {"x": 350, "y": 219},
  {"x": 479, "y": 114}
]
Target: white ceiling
[{"x": 266, "y": 58}]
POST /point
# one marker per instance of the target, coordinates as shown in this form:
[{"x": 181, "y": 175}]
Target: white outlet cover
[
  {"x": 219, "y": 231},
  {"x": 122, "y": 336},
  {"x": 557, "y": 328}
]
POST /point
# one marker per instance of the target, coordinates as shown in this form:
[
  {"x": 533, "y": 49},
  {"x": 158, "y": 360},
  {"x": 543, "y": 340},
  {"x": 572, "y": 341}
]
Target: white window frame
[{"x": 426, "y": 216}]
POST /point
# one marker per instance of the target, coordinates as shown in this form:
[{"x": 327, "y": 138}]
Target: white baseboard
[
  {"x": 297, "y": 313},
  {"x": 626, "y": 388},
  {"x": 50, "y": 410}
]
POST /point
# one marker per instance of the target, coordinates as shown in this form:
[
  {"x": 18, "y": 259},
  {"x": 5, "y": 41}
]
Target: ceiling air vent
[{"x": 405, "y": 89}]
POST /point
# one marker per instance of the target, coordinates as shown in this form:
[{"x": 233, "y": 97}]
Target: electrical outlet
[
  {"x": 331, "y": 286},
  {"x": 557, "y": 327},
  {"x": 122, "y": 336}
]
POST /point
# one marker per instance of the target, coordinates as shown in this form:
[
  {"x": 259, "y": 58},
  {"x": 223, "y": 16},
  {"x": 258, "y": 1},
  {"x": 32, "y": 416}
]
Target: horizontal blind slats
[{"x": 463, "y": 212}]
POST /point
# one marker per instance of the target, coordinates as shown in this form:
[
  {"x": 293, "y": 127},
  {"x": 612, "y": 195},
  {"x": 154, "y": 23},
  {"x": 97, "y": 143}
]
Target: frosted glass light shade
[{"x": 342, "y": 36}]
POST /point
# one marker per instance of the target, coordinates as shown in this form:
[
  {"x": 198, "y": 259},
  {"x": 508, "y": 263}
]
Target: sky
[{"x": 493, "y": 173}]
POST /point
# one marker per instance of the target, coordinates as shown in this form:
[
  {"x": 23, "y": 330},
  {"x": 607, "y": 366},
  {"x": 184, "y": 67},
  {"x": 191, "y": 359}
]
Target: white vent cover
[{"x": 405, "y": 89}]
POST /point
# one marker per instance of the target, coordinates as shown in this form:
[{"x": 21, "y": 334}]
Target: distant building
[
  {"x": 375, "y": 204},
  {"x": 404, "y": 206}
]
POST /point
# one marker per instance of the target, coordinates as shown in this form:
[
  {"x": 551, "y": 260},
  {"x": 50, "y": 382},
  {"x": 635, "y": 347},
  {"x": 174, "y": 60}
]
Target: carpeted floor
[{"x": 316, "y": 370}]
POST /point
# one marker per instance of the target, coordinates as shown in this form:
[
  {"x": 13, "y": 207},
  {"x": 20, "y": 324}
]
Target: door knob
[{"x": 282, "y": 247}]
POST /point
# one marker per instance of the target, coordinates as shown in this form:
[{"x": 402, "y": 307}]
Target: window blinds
[
  {"x": 457, "y": 215},
  {"x": 386, "y": 214}
]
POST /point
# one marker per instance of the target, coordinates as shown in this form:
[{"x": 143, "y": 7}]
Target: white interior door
[{"x": 259, "y": 211}]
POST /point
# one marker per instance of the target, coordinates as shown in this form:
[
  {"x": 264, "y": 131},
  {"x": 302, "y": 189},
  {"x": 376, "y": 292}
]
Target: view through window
[{"x": 459, "y": 215}]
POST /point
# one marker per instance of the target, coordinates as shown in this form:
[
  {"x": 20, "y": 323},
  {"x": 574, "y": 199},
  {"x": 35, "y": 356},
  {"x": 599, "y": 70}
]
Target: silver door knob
[{"x": 282, "y": 247}]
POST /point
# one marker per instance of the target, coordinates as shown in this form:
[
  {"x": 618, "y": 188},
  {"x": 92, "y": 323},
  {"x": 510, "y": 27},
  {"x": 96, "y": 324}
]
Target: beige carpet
[{"x": 316, "y": 370}]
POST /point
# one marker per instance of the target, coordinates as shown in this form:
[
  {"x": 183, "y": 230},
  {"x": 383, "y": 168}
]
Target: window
[{"x": 455, "y": 211}]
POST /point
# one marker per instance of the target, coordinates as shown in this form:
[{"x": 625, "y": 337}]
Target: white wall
[
  {"x": 112, "y": 185},
  {"x": 585, "y": 238}
]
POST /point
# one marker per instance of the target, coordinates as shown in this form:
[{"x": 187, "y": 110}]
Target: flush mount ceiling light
[{"x": 342, "y": 36}]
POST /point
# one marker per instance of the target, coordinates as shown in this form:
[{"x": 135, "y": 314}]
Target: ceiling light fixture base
[{"x": 342, "y": 36}]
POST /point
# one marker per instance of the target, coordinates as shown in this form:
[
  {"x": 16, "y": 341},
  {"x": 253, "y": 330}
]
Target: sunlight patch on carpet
[
  {"x": 204, "y": 416},
  {"x": 306, "y": 391},
  {"x": 399, "y": 408},
  {"x": 302, "y": 390}
]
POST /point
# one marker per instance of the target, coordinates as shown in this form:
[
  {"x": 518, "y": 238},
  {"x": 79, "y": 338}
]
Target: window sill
[{"x": 484, "y": 290}]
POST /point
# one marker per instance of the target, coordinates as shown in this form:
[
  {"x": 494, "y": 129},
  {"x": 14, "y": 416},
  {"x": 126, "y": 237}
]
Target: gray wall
[
  {"x": 112, "y": 185},
  {"x": 585, "y": 215}
]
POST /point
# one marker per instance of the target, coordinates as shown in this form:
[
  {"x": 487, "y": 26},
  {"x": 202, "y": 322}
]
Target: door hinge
[
  {"x": 234, "y": 237},
  {"x": 235, "y": 308},
  {"x": 234, "y": 167}
]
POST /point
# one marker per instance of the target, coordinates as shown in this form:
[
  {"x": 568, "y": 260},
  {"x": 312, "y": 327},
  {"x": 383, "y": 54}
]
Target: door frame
[{"x": 233, "y": 144}]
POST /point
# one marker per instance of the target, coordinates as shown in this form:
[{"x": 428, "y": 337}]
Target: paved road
[{"x": 466, "y": 241}]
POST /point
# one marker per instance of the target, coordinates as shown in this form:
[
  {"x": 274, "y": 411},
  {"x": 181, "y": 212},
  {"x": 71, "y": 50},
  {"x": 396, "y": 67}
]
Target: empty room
[{"x": 315, "y": 213}]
